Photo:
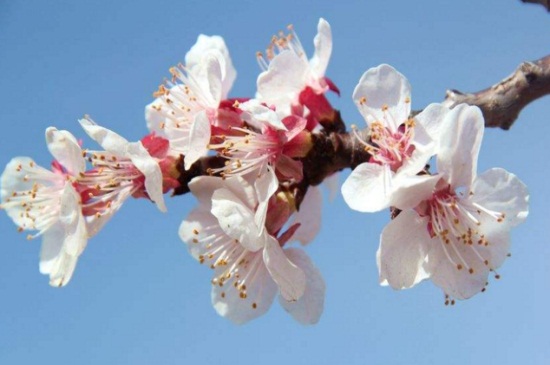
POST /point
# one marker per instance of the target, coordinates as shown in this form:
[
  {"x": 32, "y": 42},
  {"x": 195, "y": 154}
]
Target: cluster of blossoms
[{"x": 254, "y": 196}]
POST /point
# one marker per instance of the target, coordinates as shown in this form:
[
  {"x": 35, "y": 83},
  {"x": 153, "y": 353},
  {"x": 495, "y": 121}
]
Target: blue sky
[{"x": 137, "y": 296}]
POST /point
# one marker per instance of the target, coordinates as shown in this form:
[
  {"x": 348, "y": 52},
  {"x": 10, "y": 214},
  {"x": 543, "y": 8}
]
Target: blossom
[
  {"x": 290, "y": 81},
  {"x": 46, "y": 201},
  {"x": 460, "y": 229},
  {"x": 249, "y": 260},
  {"x": 193, "y": 101},
  {"x": 124, "y": 169},
  {"x": 267, "y": 140},
  {"x": 400, "y": 146}
]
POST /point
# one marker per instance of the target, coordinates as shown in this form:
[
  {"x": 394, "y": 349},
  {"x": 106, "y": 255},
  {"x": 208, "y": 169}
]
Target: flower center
[
  {"x": 388, "y": 147},
  {"x": 457, "y": 221}
]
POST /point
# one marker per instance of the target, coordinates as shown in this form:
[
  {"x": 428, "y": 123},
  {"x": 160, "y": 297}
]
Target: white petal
[
  {"x": 196, "y": 229},
  {"x": 259, "y": 115},
  {"x": 500, "y": 191},
  {"x": 156, "y": 119},
  {"x": 283, "y": 78},
  {"x": 290, "y": 279},
  {"x": 109, "y": 140},
  {"x": 203, "y": 46},
  {"x": 72, "y": 220},
  {"x": 236, "y": 219},
  {"x": 459, "y": 145},
  {"x": 63, "y": 269},
  {"x": 203, "y": 187},
  {"x": 95, "y": 224},
  {"x": 265, "y": 185},
  {"x": 199, "y": 138},
  {"x": 403, "y": 248},
  {"x": 308, "y": 309},
  {"x": 323, "y": 48},
  {"x": 260, "y": 292},
  {"x": 66, "y": 150},
  {"x": 368, "y": 188},
  {"x": 213, "y": 76},
  {"x": 459, "y": 284},
  {"x": 431, "y": 119},
  {"x": 424, "y": 149},
  {"x": 309, "y": 216},
  {"x": 411, "y": 190},
  {"x": 18, "y": 177},
  {"x": 380, "y": 87},
  {"x": 149, "y": 167}
]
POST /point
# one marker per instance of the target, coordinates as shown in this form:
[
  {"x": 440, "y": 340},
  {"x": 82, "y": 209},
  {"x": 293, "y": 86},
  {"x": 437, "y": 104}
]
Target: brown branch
[
  {"x": 330, "y": 153},
  {"x": 337, "y": 150},
  {"x": 502, "y": 102},
  {"x": 545, "y": 3}
]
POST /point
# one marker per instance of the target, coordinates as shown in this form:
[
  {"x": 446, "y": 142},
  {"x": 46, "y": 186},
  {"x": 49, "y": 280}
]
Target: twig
[
  {"x": 545, "y": 3},
  {"x": 502, "y": 102}
]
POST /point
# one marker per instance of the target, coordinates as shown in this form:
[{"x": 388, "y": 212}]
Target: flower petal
[
  {"x": 459, "y": 145},
  {"x": 502, "y": 192},
  {"x": 323, "y": 48},
  {"x": 150, "y": 169},
  {"x": 72, "y": 220},
  {"x": 290, "y": 279},
  {"x": 198, "y": 230},
  {"x": 368, "y": 188},
  {"x": 382, "y": 87},
  {"x": 109, "y": 140},
  {"x": 265, "y": 185},
  {"x": 308, "y": 309},
  {"x": 283, "y": 80},
  {"x": 203, "y": 46},
  {"x": 258, "y": 115},
  {"x": 199, "y": 138},
  {"x": 236, "y": 219},
  {"x": 66, "y": 150},
  {"x": 411, "y": 190},
  {"x": 241, "y": 306},
  {"x": 403, "y": 248},
  {"x": 458, "y": 283},
  {"x": 309, "y": 216},
  {"x": 431, "y": 119}
]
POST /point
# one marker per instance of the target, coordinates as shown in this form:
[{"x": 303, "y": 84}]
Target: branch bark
[
  {"x": 545, "y": 3},
  {"x": 502, "y": 102}
]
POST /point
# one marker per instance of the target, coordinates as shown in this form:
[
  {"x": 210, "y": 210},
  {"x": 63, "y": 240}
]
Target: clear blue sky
[{"x": 137, "y": 296}]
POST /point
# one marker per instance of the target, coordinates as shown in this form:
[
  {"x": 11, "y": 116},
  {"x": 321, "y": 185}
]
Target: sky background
[{"x": 138, "y": 297}]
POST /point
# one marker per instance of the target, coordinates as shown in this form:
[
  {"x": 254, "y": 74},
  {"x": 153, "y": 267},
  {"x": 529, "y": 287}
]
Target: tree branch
[
  {"x": 545, "y": 3},
  {"x": 502, "y": 102},
  {"x": 337, "y": 150}
]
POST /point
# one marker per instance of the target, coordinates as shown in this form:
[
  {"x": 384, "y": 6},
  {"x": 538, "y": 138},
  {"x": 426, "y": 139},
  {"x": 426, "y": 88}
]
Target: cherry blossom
[
  {"x": 250, "y": 262},
  {"x": 192, "y": 102},
  {"x": 266, "y": 140},
  {"x": 291, "y": 82},
  {"x": 400, "y": 146},
  {"x": 47, "y": 201},
  {"x": 460, "y": 230},
  {"x": 124, "y": 169}
]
